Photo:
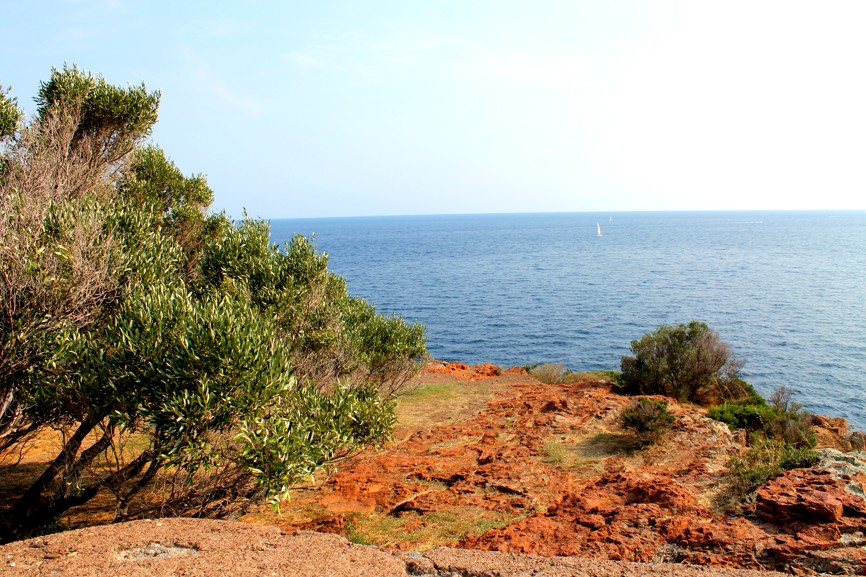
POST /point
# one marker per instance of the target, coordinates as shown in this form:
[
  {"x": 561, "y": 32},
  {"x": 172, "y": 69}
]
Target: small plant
[
  {"x": 781, "y": 419},
  {"x": 553, "y": 453},
  {"x": 765, "y": 459},
  {"x": 780, "y": 439},
  {"x": 550, "y": 373},
  {"x": 739, "y": 416},
  {"x": 647, "y": 418}
]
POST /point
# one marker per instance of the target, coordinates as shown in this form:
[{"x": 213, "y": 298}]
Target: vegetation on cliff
[
  {"x": 159, "y": 339},
  {"x": 647, "y": 419},
  {"x": 689, "y": 362}
]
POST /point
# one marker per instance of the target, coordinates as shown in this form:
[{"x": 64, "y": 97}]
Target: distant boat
[
  {"x": 598, "y": 226},
  {"x": 610, "y": 219}
]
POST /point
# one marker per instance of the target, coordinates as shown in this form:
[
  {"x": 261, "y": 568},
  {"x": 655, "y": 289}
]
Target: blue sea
[{"x": 787, "y": 290}]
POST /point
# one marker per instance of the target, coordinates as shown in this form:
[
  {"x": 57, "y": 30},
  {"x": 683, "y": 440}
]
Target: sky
[{"x": 299, "y": 109}]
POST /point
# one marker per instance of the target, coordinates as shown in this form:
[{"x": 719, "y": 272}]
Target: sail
[{"x": 598, "y": 226}]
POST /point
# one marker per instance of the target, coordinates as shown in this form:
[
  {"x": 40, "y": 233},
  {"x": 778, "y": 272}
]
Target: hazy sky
[{"x": 327, "y": 108}]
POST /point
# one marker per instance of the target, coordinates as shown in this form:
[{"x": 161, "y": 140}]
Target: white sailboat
[{"x": 598, "y": 227}]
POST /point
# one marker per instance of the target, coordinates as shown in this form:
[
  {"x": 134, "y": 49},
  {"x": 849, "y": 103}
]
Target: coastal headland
[{"x": 486, "y": 459}]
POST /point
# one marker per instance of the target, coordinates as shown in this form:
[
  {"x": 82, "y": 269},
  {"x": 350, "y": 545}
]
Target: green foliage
[
  {"x": 10, "y": 114},
  {"x": 291, "y": 437},
  {"x": 743, "y": 416},
  {"x": 334, "y": 336},
  {"x": 762, "y": 461},
  {"x": 239, "y": 367},
  {"x": 686, "y": 362},
  {"x": 182, "y": 201},
  {"x": 647, "y": 419},
  {"x": 101, "y": 110},
  {"x": 384, "y": 350},
  {"x": 783, "y": 420},
  {"x": 780, "y": 438}
]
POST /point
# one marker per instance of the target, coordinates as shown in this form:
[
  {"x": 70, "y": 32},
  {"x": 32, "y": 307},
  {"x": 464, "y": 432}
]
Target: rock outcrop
[
  {"x": 550, "y": 465},
  {"x": 511, "y": 467}
]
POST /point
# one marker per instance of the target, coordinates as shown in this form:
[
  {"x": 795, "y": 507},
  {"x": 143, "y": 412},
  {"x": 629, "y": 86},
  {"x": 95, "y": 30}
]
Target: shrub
[
  {"x": 686, "y": 362},
  {"x": 128, "y": 312},
  {"x": 550, "y": 373},
  {"x": 782, "y": 420},
  {"x": 648, "y": 419},
  {"x": 762, "y": 461},
  {"x": 780, "y": 438},
  {"x": 334, "y": 336},
  {"x": 737, "y": 416}
]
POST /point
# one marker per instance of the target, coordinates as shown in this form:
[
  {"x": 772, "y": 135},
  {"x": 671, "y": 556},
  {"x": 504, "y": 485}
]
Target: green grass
[
  {"x": 554, "y": 453},
  {"x": 431, "y": 392},
  {"x": 423, "y": 532}
]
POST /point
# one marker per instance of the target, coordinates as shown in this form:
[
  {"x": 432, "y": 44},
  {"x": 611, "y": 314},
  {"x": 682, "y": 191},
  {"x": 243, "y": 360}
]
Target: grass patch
[
  {"x": 423, "y": 532},
  {"x": 605, "y": 445},
  {"x": 460, "y": 441},
  {"x": 550, "y": 373},
  {"x": 554, "y": 453},
  {"x": 585, "y": 453},
  {"x": 431, "y": 392},
  {"x": 437, "y": 402},
  {"x": 556, "y": 373},
  {"x": 764, "y": 459},
  {"x": 607, "y": 377}
]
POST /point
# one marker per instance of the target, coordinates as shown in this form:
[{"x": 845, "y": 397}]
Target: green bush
[
  {"x": 762, "y": 461},
  {"x": 780, "y": 438},
  {"x": 647, "y": 419},
  {"x": 129, "y": 312},
  {"x": 334, "y": 336},
  {"x": 749, "y": 417},
  {"x": 686, "y": 362},
  {"x": 782, "y": 420}
]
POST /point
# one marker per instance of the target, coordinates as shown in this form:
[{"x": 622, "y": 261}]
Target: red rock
[
  {"x": 608, "y": 501},
  {"x": 831, "y": 432},
  {"x": 807, "y": 494}
]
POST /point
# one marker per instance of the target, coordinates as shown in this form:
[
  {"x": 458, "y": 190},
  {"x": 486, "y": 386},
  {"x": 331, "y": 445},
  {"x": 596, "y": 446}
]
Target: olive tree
[
  {"x": 335, "y": 336},
  {"x": 178, "y": 365},
  {"x": 57, "y": 176}
]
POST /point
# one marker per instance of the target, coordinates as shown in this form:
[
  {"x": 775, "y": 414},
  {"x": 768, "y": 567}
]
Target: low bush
[
  {"x": 780, "y": 438},
  {"x": 737, "y": 416},
  {"x": 550, "y": 373},
  {"x": 763, "y": 460},
  {"x": 782, "y": 419},
  {"x": 647, "y": 419}
]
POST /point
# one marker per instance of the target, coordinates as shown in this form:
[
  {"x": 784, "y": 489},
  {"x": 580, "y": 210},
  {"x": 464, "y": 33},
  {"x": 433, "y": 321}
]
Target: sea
[{"x": 786, "y": 290}]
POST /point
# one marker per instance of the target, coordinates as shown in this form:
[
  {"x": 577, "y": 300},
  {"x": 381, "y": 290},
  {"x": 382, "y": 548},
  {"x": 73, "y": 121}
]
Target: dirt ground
[
  {"x": 208, "y": 548},
  {"x": 487, "y": 466}
]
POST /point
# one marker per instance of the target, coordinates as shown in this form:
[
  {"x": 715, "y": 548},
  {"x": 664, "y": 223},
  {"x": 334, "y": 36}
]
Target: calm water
[{"x": 786, "y": 290}]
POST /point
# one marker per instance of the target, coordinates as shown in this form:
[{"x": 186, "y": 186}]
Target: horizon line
[{"x": 595, "y": 212}]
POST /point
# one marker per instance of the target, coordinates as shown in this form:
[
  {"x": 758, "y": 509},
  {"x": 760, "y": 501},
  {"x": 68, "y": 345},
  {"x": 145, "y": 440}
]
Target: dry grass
[
  {"x": 605, "y": 377},
  {"x": 437, "y": 402},
  {"x": 550, "y": 373},
  {"x": 586, "y": 454},
  {"x": 554, "y": 453},
  {"x": 423, "y": 532}
]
